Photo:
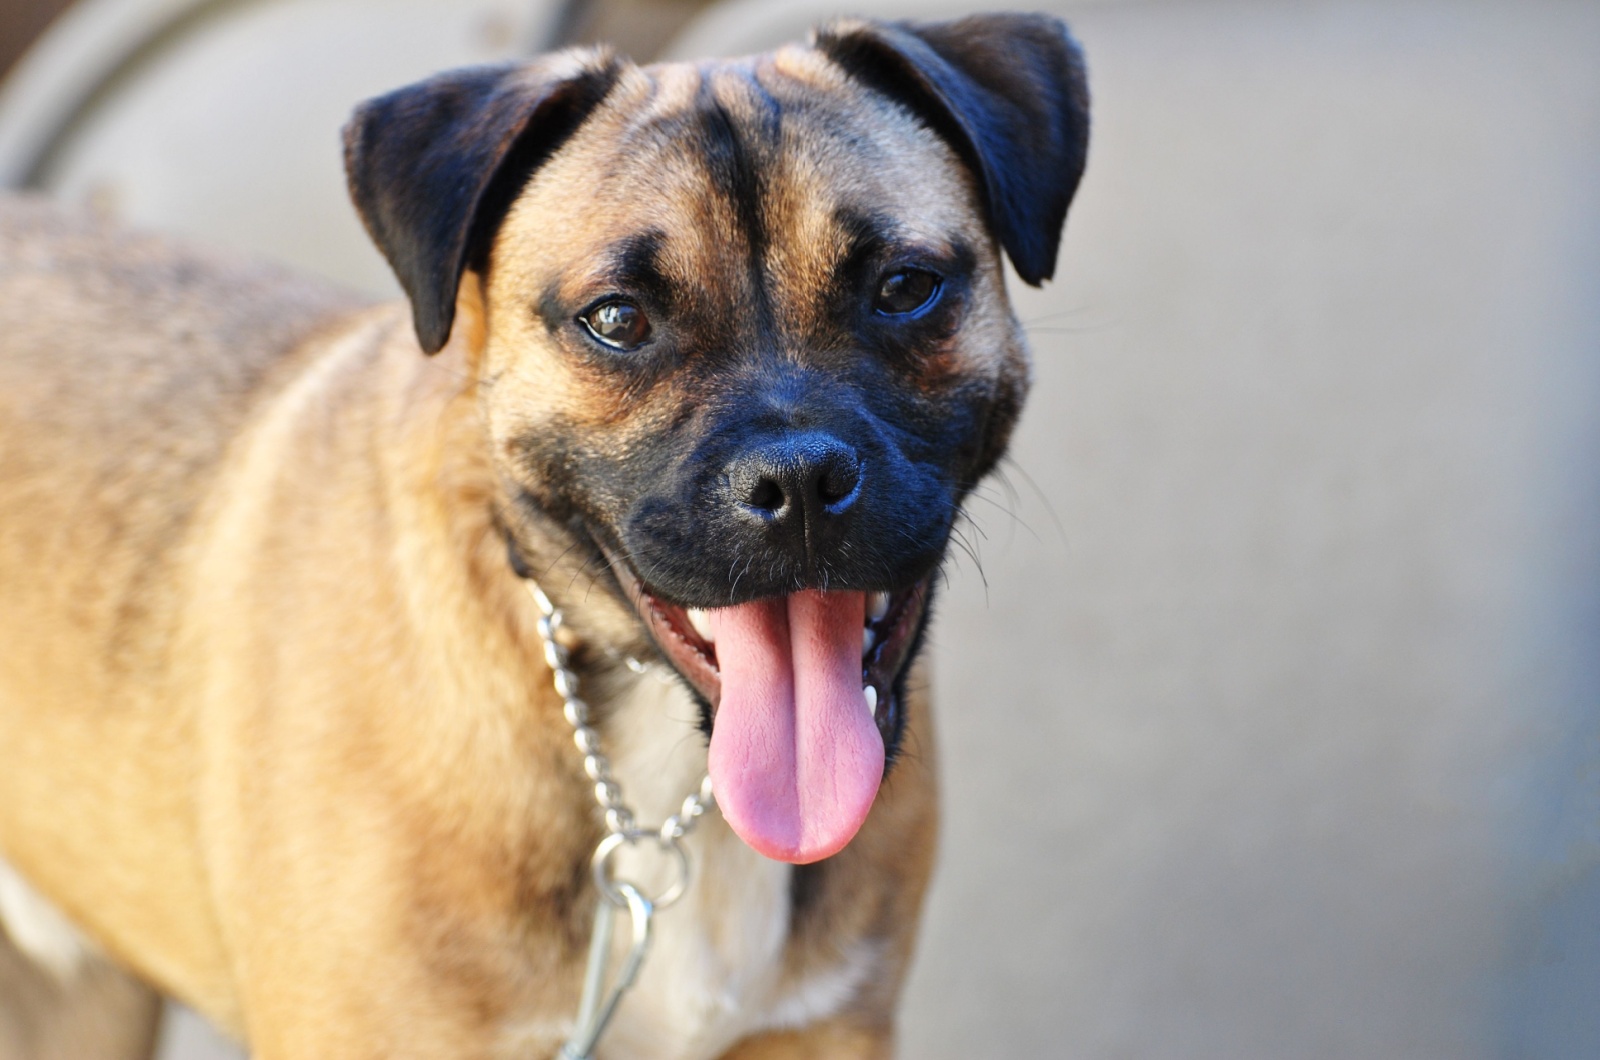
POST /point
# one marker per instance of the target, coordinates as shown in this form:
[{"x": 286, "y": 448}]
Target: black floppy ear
[
  {"x": 1008, "y": 93},
  {"x": 434, "y": 167}
]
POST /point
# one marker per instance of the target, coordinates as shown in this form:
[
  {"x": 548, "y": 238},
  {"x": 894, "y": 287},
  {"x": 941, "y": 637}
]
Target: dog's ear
[
  {"x": 1007, "y": 92},
  {"x": 434, "y": 167}
]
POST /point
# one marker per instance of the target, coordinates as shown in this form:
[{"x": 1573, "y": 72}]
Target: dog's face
[
  {"x": 764, "y": 352},
  {"x": 748, "y": 344}
]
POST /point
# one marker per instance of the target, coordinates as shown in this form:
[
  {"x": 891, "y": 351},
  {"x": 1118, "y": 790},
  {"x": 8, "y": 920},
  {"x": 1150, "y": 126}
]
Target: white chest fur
[
  {"x": 38, "y": 929},
  {"x": 714, "y": 973}
]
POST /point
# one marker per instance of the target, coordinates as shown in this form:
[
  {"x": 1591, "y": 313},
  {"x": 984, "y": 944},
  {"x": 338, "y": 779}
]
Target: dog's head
[{"x": 746, "y": 341}]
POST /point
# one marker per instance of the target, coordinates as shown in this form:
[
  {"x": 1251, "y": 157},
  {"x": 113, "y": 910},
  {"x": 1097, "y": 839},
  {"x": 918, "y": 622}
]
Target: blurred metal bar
[{"x": 21, "y": 23}]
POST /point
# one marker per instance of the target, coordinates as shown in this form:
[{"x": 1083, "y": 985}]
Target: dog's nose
[{"x": 798, "y": 479}]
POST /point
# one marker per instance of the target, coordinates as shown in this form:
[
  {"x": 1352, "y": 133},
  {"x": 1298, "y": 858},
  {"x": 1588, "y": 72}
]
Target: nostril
[
  {"x": 838, "y": 481},
  {"x": 766, "y": 495}
]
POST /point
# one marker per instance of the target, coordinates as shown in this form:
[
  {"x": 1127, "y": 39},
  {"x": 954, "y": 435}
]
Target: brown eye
[
  {"x": 906, "y": 291},
  {"x": 617, "y": 323}
]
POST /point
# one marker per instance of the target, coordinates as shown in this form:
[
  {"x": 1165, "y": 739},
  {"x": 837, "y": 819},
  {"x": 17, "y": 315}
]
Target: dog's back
[{"x": 126, "y": 364}]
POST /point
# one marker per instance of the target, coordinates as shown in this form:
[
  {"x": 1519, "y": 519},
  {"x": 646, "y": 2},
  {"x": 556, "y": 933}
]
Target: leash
[{"x": 597, "y": 1003}]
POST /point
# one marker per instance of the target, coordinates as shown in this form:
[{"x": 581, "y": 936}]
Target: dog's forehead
[{"x": 716, "y": 159}]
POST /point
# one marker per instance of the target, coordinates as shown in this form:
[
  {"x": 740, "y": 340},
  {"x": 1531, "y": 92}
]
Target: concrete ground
[{"x": 1271, "y": 723}]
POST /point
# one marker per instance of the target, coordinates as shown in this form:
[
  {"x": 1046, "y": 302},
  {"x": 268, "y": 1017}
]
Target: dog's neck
[{"x": 718, "y": 969}]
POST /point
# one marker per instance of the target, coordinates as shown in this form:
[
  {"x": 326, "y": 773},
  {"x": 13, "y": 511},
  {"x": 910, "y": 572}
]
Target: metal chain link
[{"x": 619, "y": 816}]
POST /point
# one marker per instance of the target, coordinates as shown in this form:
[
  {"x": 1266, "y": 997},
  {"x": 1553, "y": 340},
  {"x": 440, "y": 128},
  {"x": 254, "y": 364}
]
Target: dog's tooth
[
  {"x": 877, "y": 606},
  {"x": 868, "y": 639},
  {"x": 869, "y": 695},
  {"x": 702, "y": 624}
]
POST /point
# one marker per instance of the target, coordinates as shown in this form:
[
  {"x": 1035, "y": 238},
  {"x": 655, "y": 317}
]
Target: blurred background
[{"x": 1270, "y": 721}]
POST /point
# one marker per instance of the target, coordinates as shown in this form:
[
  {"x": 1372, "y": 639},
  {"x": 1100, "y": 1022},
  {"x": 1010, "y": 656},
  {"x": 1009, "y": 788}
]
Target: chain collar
[
  {"x": 621, "y": 824},
  {"x": 599, "y": 1002}
]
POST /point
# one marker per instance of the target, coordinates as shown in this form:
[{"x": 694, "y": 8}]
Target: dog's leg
[
  {"x": 823, "y": 1041},
  {"x": 97, "y": 1012}
]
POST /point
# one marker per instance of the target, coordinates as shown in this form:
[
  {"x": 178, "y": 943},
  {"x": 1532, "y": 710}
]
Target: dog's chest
[{"x": 715, "y": 968}]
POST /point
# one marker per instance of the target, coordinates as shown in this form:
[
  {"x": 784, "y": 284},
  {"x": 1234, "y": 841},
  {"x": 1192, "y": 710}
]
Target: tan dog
[{"x": 719, "y": 349}]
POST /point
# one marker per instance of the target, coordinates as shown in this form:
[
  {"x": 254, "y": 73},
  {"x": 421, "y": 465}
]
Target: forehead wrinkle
[
  {"x": 673, "y": 90},
  {"x": 800, "y": 265},
  {"x": 733, "y": 131},
  {"x": 649, "y": 176},
  {"x": 808, "y": 147},
  {"x": 839, "y": 159},
  {"x": 718, "y": 135},
  {"x": 742, "y": 91},
  {"x": 661, "y": 151}
]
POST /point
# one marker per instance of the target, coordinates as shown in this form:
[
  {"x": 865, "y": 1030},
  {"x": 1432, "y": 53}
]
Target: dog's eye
[
  {"x": 906, "y": 291},
  {"x": 618, "y": 323}
]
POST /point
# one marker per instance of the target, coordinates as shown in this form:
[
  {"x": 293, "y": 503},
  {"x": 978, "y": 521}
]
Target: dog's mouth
[{"x": 804, "y": 698}]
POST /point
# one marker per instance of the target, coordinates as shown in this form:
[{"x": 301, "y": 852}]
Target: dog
[{"x": 710, "y": 355}]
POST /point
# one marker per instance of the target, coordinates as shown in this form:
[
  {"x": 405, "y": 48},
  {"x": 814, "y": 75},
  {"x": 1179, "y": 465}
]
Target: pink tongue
[{"x": 795, "y": 757}]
